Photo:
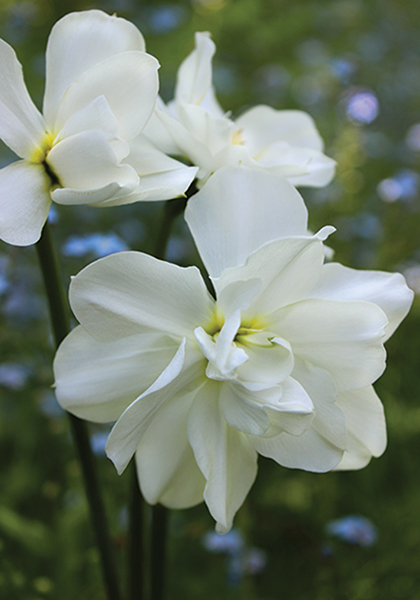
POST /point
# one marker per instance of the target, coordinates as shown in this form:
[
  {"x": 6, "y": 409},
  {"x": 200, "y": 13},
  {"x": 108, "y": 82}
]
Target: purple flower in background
[{"x": 353, "y": 529}]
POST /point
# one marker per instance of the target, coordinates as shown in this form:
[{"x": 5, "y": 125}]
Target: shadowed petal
[
  {"x": 365, "y": 421},
  {"x": 168, "y": 472},
  {"x": 24, "y": 202},
  {"x": 224, "y": 455},
  {"x": 182, "y": 372},
  {"x": 97, "y": 381}
]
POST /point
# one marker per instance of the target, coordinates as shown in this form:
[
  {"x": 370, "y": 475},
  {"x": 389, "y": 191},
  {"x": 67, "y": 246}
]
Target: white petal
[
  {"x": 263, "y": 125},
  {"x": 163, "y": 130},
  {"x": 269, "y": 362},
  {"x": 128, "y": 431},
  {"x": 320, "y": 447},
  {"x": 241, "y": 411},
  {"x": 292, "y": 413},
  {"x": 224, "y": 455},
  {"x": 329, "y": 419},
  {"x": 79, "y": 41},
  {"x": 21, "y": 124},
  {"x": 165, "y": 462},
  {"x": 85, "y": 161},
  {"x": 103, "y": 196},
  {"x": 161, "y": 177},
  {"x": 309, "y": 451},
  {"x": 238, "y": 211},
  {"x": 131, "y": 292},
  {"x": 129, "y": 82},
  {"x": 344, "y": 338},
  {"x": 97, "y": 116},
  {"x": 24, "y": 202},
  {"x": 194, "y": 77},
  {"x": 365, "y": 421},
  {"x": 288, "y": 269},
  {"x": 315, "y": 169},
  {"x": 97, "y": 381},
  {"x": 214, "y": 132},
  {"x": 388, "y": 290}
]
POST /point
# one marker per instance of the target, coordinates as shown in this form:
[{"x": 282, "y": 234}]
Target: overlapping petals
[
  {"x": 101, "y": 89},
  {"x": 194, "y": 126},
  {"x": 281, "y": 363}
]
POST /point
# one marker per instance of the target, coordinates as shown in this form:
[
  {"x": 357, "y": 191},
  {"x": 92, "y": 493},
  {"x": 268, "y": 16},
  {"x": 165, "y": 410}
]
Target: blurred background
[{"x": 355, "y": 67}]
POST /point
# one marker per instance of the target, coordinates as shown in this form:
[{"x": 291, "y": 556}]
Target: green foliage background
[{"x": 306, "y": 54}]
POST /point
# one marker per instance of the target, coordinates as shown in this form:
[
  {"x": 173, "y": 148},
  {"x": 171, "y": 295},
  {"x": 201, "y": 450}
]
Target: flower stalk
[
  {"x": 136, "y": 531},
  {"x": 59, "y": 313}
]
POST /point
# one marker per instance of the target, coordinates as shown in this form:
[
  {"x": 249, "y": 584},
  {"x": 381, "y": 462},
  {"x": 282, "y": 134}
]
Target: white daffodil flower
[
  {"x": 280, "y": 364},
  {"x": 193, "y": 125},
  {"x": 100, "y": 91}
]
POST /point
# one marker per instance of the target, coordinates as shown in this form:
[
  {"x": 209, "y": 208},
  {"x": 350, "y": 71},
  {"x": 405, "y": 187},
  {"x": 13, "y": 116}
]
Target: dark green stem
[
  {"x": 172, "y": 209},
  {"x": 59, "y": 311},
  {"x": 159, "y": 528},
  {"x": 136, "y": 579}
]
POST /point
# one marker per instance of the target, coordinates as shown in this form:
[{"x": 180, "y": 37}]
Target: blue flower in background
[
  {"x": 97, "y": 244},
  {"x": 14, "y": 376},
  {"x": 228, "y": 543},
  {"x": 354, "y": 529},
  {"x": 241, "y": 560}
]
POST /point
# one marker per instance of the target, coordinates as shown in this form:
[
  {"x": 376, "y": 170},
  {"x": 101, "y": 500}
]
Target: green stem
[
  {"x": 136, "y": 580},
  {"x": 159, "y": 528},
  {"x": 172, "y": 209},
  {"x": 59, "y": 312}
]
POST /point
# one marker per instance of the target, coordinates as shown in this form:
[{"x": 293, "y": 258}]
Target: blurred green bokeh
[{"x": 354, "y": 66}]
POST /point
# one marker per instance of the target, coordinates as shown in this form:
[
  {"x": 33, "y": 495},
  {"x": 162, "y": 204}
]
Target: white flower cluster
[{"x": 281, "y": 358}]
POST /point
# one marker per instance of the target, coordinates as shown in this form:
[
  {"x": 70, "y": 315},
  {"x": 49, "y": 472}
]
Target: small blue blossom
[
  {"x": 98, "y": 244},
  {"x": 362, "y": 106},
  {"x": 14, "y": 376},
  {"x": 229, "y": 543},
  {"x": 241, "y": 560},
  {"x": 353, "y": 529}
]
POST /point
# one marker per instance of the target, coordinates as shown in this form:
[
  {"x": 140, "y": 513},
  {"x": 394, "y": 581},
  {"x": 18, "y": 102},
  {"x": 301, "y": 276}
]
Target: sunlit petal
[
  {"x": 78, "y": 42},
  {"x": 21, "y": 124},
  {"x": 130, "y": 293}
]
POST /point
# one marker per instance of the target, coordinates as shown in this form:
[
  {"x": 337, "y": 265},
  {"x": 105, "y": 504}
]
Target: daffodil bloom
[
  {"x": 281, "y": 363},
  {"x": 100, "y": 91},
  {"x": 193, "y": 125}
]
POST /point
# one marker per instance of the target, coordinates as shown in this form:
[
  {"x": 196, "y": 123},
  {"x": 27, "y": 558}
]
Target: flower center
[
  {"x": 237, "y": 139},
  {"x": 223, "y": 342},
  {"x": 40, "y": 155}
]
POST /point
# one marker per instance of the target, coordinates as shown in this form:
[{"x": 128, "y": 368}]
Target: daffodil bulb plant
[
  {"x": 86, "y": 147},
  {"x": 194, "y": 126},
  {"x": 277, "y": 359}
]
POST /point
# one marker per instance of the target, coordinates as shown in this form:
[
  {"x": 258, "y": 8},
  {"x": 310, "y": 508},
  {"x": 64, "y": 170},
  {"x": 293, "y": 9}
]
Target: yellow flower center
[
  {"x": 39, "y": 155},
  {"x": 237, "y": 139}
]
